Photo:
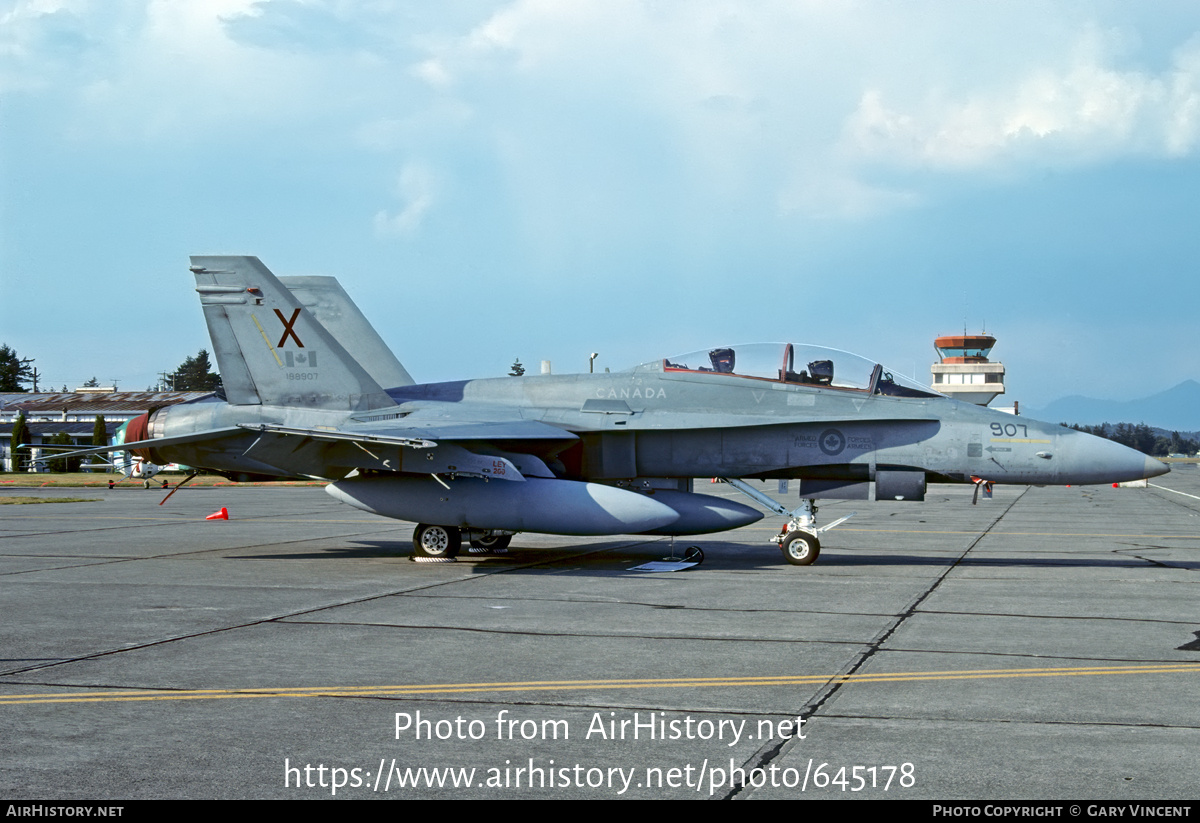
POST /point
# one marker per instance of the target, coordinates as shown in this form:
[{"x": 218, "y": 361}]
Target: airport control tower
[{"x": 964, "y": 371}]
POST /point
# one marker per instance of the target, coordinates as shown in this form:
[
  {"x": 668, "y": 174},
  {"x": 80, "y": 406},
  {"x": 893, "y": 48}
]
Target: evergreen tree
[
  {"x": 195, "y": 374},
  {"x": 13, "y": 370},
  {"x": 20, "y": 435},
  {"x": 1143, "y": 438},
  {"x": 99, "y": 437},
  {"x": 99, "y": 431},
  {"x": 1140, "y": 437},
  {"x": 92, "y": 384},
  {"x": 517, "y": 369}
]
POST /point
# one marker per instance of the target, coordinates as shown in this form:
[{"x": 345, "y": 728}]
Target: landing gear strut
[
  {"x": 692, "y": 554},
  {"x": 800, "y": 539}
]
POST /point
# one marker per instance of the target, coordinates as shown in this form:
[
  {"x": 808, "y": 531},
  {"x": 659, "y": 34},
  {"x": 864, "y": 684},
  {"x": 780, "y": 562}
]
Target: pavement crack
[
  {"x": 473, "y": 574},
  {"x": 587, "y": 601},
  {"x": 426, "y": 627},
  {"x": 1089, "y": 617},
  {"x": 100, "y": 560},
  {"x": 765, "y": 756}
]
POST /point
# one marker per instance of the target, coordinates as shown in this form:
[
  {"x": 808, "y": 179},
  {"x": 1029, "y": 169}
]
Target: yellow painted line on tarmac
[{"x": 561, "y": 685}]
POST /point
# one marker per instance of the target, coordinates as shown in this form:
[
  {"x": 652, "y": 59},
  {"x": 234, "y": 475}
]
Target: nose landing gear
[
  {"x": 800, "y": 540},
  {"x": 800, "y": 548}
]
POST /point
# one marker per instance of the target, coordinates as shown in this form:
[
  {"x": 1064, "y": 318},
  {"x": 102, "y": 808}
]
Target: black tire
[
  {"x": 436, "y": 541},
  {"x": 801, "y": 549},
  {"x": 493, "y": 542}
]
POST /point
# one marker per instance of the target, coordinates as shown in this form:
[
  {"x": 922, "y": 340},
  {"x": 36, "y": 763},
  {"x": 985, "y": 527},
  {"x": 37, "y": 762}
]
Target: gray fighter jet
[{"x": 583, "y": 454}]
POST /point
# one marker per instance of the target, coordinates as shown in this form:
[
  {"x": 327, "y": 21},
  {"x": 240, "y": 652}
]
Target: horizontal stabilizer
[
  {"x": 336, "y": 436},
  {"x": 196, "y": 437},
  {"x": 427, "y": 435}
]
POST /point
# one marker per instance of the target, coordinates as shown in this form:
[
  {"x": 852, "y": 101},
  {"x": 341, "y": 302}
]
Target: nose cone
[
  {"x": 1155, "y": 467},
  {"x": 1090, "y": 459}
]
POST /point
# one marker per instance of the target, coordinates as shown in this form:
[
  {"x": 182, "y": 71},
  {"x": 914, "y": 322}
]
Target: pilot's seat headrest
[{"x": 821, "y": 372}]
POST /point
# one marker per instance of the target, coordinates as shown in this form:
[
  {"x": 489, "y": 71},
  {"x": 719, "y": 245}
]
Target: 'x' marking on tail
[{"x": 287, "y": 328}]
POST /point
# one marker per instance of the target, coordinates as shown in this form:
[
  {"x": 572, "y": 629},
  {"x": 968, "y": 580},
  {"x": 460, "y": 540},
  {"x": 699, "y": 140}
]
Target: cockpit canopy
[{"x": 799, "y": 364}]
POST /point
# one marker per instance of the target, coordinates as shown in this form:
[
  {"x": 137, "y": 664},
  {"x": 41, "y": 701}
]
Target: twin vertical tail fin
[
  {"x": 270, "y": 349},
  {"x": 333, "y": 308}
]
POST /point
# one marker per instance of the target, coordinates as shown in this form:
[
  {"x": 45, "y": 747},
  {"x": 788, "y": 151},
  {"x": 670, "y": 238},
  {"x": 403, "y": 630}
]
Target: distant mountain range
[{"x": 1176, "y": 409}]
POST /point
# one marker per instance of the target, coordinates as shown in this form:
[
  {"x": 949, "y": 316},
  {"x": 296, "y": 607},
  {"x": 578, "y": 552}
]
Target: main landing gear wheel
[
  {"x": 436, "y": 542},
  {"x": 800, "y": 548},
  {"x": 492, "y": 542}
]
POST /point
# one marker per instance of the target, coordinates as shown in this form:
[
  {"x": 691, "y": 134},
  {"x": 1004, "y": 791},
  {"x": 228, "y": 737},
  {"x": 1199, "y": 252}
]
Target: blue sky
[{"x": 546, "y": 178}]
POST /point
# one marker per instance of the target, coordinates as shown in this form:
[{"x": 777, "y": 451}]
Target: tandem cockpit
[{"x": 795, "y": 363}]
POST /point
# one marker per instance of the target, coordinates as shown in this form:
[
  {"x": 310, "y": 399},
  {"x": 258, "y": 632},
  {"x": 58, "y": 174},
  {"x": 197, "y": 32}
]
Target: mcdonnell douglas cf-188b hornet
[{"x": 582, "y": 454}]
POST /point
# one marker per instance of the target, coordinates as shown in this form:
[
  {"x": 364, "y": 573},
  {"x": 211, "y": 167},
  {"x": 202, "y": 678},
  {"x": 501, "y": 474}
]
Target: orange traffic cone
[{"x": 223, "y": 514}]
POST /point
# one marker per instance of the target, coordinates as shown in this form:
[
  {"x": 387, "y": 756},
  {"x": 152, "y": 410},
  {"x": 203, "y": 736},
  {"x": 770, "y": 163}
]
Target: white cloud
[
  {"x": 37, "y": 38},
  {"x": 1182, "y": 124},
  {"x": 805, "y": 104},
  {"x": 434, "y": 73},
  {"x": 415, "y": 188},
  {"x": 1084, "y": 112},
  {"x": 792, "y": 107},
  {"x": 666, "y": 146},
  {"x": 162, "y": 71}
]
